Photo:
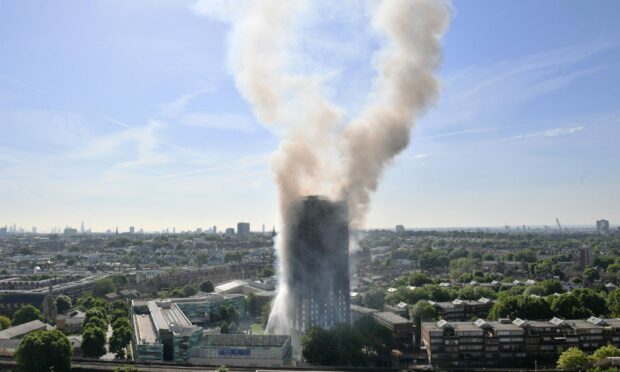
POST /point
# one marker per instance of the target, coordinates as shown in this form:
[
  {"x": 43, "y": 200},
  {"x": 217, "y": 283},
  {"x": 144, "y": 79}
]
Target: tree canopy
[
  {"x": 573, "y": 359},
  {"x": 4, "y": 322},
  {"x": 44, "y": 351},
  {"x": 25, "y": 314},
  {"x": 63, "y": 304}
]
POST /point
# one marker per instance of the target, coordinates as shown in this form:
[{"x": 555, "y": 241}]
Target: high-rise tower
[{"x": 317, "y": 262}]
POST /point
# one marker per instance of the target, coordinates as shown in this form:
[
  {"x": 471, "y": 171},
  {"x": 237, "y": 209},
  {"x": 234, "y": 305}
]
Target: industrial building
[
  {"x": 518, "y": 343},
  {"x": 318, "y": 261}
]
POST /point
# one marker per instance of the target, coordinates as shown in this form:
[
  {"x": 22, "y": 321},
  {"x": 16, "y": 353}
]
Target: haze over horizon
[{"x": 125, "y": 114}]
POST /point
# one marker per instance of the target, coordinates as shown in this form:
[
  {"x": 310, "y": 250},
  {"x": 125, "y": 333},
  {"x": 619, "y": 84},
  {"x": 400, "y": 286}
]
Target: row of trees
[
  {"x": 95, "y": 327},
  {"x": 121, "y": 329},
  {"x": 574, "y": 359},
  {"x": 365, "y": 343},
  {"x": 578, "y": 304}
]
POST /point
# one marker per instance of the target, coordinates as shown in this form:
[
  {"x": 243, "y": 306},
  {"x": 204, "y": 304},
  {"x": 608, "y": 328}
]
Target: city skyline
[{"x": 136, "y": 126}]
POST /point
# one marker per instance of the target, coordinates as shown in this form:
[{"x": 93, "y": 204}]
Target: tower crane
[{"x": 559, "y": 225}]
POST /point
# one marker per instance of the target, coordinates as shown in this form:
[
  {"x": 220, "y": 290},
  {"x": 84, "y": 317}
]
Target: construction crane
[{"x": 558, "y": 222}]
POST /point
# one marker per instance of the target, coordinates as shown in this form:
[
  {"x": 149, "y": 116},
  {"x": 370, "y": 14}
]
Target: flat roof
[
  {"x": 390, "y": 318},
  {"x": 145, "y": 329}
]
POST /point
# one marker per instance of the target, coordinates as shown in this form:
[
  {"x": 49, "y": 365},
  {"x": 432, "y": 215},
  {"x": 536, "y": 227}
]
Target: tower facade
[{"x": 318, "y": 264}]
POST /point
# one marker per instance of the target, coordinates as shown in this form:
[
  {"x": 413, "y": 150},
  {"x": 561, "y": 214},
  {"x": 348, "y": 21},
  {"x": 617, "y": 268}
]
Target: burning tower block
[{"x": 318, "y": 264}]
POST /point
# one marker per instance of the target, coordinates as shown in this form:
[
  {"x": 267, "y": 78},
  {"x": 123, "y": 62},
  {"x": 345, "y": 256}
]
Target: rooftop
[
  {"x": 23, "y": 329},
  {"x": 145, "y": 329}
]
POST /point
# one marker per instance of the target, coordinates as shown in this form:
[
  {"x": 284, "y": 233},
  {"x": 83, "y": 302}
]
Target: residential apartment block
[{"x": 518, "y": 343}]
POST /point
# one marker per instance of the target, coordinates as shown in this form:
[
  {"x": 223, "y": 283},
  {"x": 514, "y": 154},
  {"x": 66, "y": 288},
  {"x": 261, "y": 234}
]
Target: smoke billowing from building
[
  {"x": 319, "y": 152},
  {"x": 318, "y": 251}
]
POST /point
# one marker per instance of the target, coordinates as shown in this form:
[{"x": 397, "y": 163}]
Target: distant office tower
[
  {"x": 70, "y": 231},
  {"x": 82, "y": 227},
  {"x": 400, "y": 228},
  {"x": 243, "y": 228},
  {"x": 584, "y": 257},
  {"x": 215, "y": 229},
  {"x": 318, "y": 264},
  {"x": 602, "y": 226},
  {"x": 230, "y": 231},
  {"x": 3, "y": 230},
  {"x": 132, "y": 230},
  {"x": 34, "y": 229}
]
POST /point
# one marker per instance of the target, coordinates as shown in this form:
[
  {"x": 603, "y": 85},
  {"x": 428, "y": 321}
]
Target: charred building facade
[{"x": 318, "y": 262}]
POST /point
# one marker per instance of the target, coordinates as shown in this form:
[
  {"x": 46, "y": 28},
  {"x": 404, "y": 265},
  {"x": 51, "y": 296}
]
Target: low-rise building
[
  {"x": 515, "y": 343},
  {"x": 243, "y": 350},
  {"x": 21, "y": 330},
  {"x": 71, "y": 322},
  {"x": 462, "y": 310},
  {"x": 165, "y": 331},
  {"x": 402, "y": 329}
]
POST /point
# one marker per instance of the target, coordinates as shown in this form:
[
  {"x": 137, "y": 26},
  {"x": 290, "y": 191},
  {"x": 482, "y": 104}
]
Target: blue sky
[{"x": 125, "y": 114}]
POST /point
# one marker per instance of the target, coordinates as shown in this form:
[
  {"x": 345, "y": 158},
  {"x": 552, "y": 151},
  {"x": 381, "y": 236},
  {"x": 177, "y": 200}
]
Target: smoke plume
[{"x": 319, "y": 153}]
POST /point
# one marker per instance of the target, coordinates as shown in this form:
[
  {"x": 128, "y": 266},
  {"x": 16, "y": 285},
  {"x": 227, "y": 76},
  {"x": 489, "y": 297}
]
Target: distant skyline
[{"x": 125, "y": 114}]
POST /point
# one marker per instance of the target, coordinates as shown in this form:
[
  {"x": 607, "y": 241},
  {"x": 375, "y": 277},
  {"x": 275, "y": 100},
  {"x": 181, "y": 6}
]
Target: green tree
[
  {"x": 44, "y": 351},
  {"x": 121, "y": 336},
  {"x": 318, "y": 347},
  {"x": 591, "y": 274},
  {"x": 592, "y": 301},
  {"x": 613, "y": 302},
  {"x": 93, "y": 342},
  {"x": 202, "y": 258},
  {"x": 4, "y": 322},
  {"x": 605, "y": 352},
  {"x": 63, "y": 304},
  {"x": 475, "y": 292},
  {"x": 422, "y": 311},
  {"x": 89, "y": 302},
  {"x": 525, "y": 307},
  {"x": 419, "y": 279},
  {"x": 206, "y": 286},
  {"x": 189, "y": 290},
  {"x": 25, "y": 314},
  {"x": 96, "y": 322},
  {"x": 573, "y": 359},
  {"x": 377, "y": 341},
  {"x": 266, "y": 272},
  {"x": 461, "y": 266},
  {"x": 228, "y": 313},
  {"x": 103, "y": 286},
  {"x": 568, "y": 306},
  {"x": 339, "y": 346},
  {"x": 94, "y": 312},
  {"x": 375, "y": 298},
  {"x": 251, "y": 305},
  {"x": 120, "y": 305},
  {"x": 224, "y": 327},
  {"x": 438, "y": 294},
  {"x": 525, "y": 255}
]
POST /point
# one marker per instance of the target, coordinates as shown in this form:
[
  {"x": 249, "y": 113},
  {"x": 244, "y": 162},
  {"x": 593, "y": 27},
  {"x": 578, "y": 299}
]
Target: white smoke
[{"x": 318, "y": 153}]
